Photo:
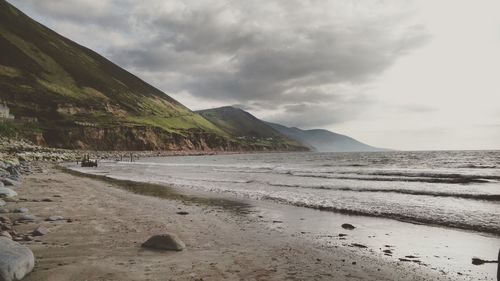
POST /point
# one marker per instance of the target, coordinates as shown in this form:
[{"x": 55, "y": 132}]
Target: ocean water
[{"x": 455, "y": 189}]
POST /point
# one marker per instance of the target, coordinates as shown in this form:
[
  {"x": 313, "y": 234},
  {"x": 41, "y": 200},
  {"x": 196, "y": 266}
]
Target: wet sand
[{"x": 226, "y": 240}]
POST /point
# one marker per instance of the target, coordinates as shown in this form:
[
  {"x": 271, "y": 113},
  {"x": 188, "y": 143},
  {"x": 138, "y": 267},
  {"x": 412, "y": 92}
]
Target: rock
[
  {"x": 40, "y": 231},
  {"x": 5, "y": 234},
  {"x": 55, "y": 218},
  {"x": 2, "y": 203},
  {"x": 7, "y": 192},
  {"x": 47, "y": 200},
  {"x": 5, "y": 226},
  {"x": 28, "y": 238},
  {"x": 21, "y": 210},
  {"x": 5, "y": 220},
  {"x": 16, "y": 260},
  {"x": 359, "y": 245},
  {"x": 3, "y": 210},
  {"x": 348, "y": 226},
  {"x": 9, "y": 182},
  {"x": 168, "y": 241},
  {"x": 182, "y": 213},
  {"x": 26, "y": 218}
]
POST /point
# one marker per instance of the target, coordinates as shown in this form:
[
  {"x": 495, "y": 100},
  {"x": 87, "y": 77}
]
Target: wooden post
[{"x": 131, "y": 157}]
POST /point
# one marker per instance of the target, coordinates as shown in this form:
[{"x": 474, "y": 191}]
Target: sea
[{"x": 457, "y": 190}]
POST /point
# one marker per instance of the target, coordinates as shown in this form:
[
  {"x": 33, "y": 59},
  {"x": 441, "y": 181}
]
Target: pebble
[
  {"x": 167, "y": 241},
  {"x": 5, "y": 234},
  {"x": 26, "y": 218},
  {"x": 55, "y": 218},
  {"x": 40, "y": 231},
  {"x": 21, "y": 210},
  {"x": 348, "y": 226}
]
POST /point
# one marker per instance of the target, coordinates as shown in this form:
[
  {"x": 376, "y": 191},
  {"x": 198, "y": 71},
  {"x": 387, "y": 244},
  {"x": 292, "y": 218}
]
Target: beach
[{"x": 107, "y": 224}]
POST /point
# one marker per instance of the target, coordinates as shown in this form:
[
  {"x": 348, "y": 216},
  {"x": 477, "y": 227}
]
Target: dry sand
[{"x": 110, "y": 223}]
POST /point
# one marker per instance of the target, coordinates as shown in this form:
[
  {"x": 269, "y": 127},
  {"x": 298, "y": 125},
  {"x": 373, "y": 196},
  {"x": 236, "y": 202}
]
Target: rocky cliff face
[{"x": 134, "y": 138}]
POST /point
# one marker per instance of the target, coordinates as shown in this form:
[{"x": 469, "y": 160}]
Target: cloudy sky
[{"x": 402, "y": 74}]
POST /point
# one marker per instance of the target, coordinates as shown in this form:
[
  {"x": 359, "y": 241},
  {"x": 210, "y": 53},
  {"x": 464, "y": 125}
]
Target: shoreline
[
  {"x": 433, "y": 246},
  {"x": 109, "y": 223},
  {"x": 159, "y": 186}
]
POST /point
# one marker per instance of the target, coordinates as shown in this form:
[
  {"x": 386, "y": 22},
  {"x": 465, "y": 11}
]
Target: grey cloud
[{"x": 288, "y": 55}]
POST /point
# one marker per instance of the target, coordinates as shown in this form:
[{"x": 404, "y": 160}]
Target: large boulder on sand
[
  {"x": 16, "y": 260},
  {"x": 7, "y": 192},
  {"x": 167, "y": 241}
]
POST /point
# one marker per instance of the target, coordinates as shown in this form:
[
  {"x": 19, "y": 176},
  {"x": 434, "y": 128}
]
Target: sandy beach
[{"x": 106, "y": 224}]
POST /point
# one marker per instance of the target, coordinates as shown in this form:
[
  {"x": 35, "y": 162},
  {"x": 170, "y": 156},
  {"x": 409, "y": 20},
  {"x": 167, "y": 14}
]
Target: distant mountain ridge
[
  {"x": 323, "y": 140},
  {"x": 244, "y": 126},
  {"x": 247, "y": 128}
]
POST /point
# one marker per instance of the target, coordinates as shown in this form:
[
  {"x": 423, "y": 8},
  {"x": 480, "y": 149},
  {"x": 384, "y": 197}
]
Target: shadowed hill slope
[{"x": 249, "y": 129}]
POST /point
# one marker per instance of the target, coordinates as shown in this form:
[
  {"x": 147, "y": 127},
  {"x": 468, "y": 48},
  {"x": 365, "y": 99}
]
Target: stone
[
  {"x": 10, "y": 182},
  {"x": 28, "y": 238},
  {"x": 40, "y": 231},
  {"x": 182, "y": 213},
  {"x": 7, "y": 192},
  {"x": 167, "y": 241},
  {"x": 359, "y": 245},
  {"x": 5, "y": 220},
  {"x": 2, "y": 203},
  {"x": 348, "y": 226},
  {"x": 21, "y": 210},
  {"x": 55, "y": 218},
  {"x": 26, "y": 218},
  {"x": 16, "y": 260},
  {"x": 47, "y": 200},
  {"x": 5, "y": 234}
]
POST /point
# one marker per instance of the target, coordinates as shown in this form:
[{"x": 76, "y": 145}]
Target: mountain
[
  {"x": 324, "y": 140},
  {"x": 247, "y": 128},
  {"x": 66, "y": 95}
]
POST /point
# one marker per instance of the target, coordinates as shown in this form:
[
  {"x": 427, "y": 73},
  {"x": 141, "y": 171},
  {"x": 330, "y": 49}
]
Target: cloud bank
[{"x": 301, "y": 63}]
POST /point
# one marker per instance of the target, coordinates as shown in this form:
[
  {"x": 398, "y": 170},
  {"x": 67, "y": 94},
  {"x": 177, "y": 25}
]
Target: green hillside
[
  {"x": 246, "y": 128},
  {"x": 66, "y": 90}
]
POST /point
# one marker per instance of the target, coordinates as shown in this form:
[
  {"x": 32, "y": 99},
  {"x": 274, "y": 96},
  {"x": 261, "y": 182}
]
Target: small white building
[{"x": 5, "y": 112}]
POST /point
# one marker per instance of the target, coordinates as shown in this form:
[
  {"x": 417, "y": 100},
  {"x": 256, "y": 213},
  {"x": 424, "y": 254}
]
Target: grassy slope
[
  {"x": 47, "y": 76},
  {"x": 246, "y": 127}
]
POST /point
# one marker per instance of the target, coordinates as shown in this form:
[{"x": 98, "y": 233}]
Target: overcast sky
[{"x": 400, "y": 74}]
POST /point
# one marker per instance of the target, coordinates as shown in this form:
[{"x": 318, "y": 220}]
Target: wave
[
  {"x": 479, "y": 166},
  {"x": 484, "y": 197},
  {"x": 395, "y": 216},
  {"x": 406, "y": 177},
  {"x": 433, "y": 175}
]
